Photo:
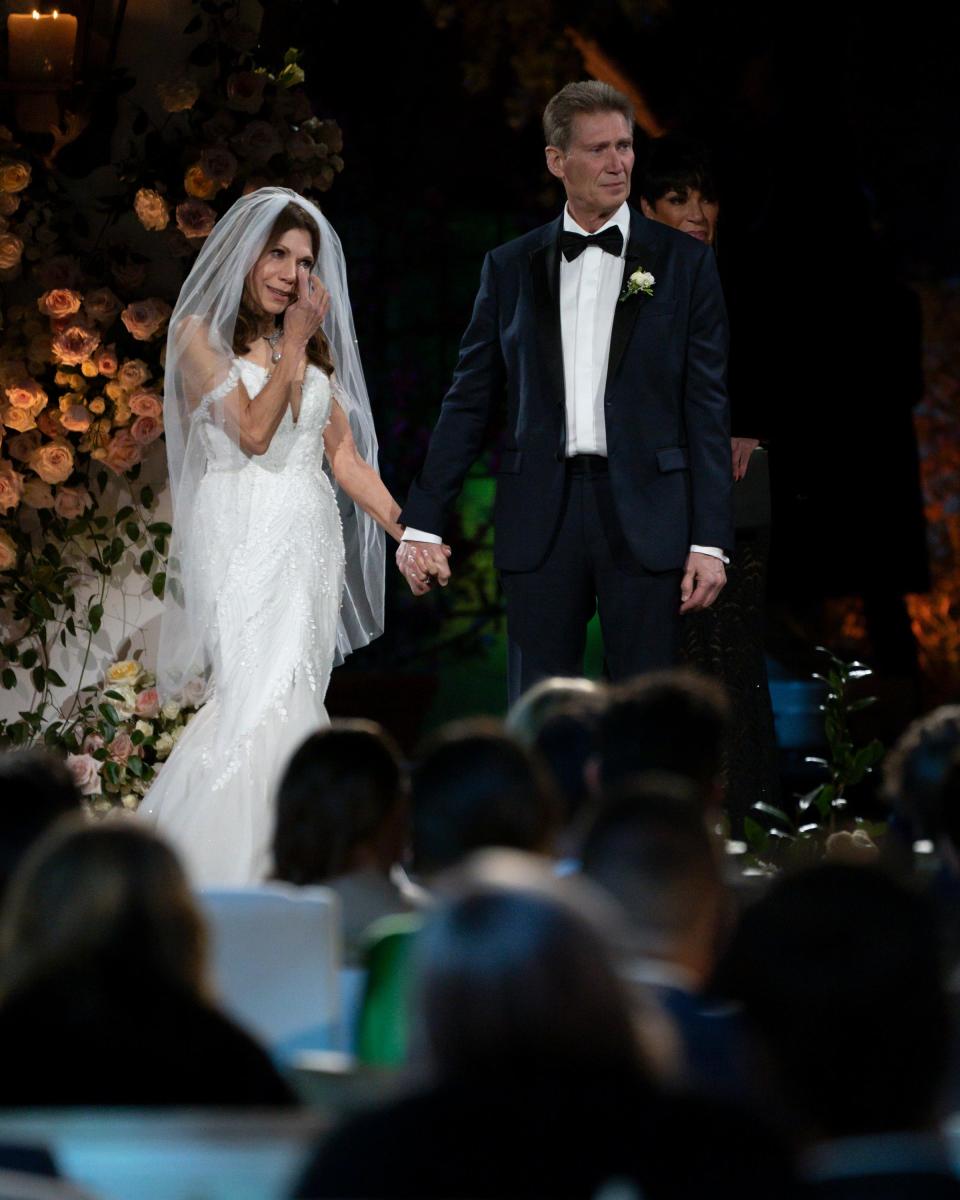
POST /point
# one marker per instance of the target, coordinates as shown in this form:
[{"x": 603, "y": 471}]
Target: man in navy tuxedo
[{"x": 605, "y": 334}]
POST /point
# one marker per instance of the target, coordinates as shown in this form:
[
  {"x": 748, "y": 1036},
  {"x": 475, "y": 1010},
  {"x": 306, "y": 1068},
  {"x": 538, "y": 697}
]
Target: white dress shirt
[{"x": 590, "y": 287}]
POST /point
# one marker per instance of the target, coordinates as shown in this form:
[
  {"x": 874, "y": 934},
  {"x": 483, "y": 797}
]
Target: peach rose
[
  {"x": 197, "y": 184},
  {"x": 71, "y": 502},
  {"x": 133, "y": 373},
  {"x": 23, "y": 445},
  {"x": 147, "y": 404},
  {"x": 59, "y": 303},
  {"x": 145, "y": 318},
  {"x": 148, "y": 703},
  {"x": 152, "y": 209},
  {"x": 19, "y": 419},
  {"x": 106, "y": 361},
  {"x": 8, "y": 553},
  {"x": 129, "y": 273},
  {"x": 85, "y": 771},
  {"x": 14, "y": 175},
  {"x": 219, "y": 164},
  {"x": 92, "y": 742},
  {"x": 115, "y": 391},
  {"x": 11, "y": 487},
  {"x": 145, "y": 430},
  {"x": 178, "y": 95},
  {"x": 8, "y": 204},
  {"x": 37, "y": 494},
  {"x": 11, "y": 251},
  {"x": 122, "y": 452},
  {"x": 244, "y": 92},
  {"x": 258, "y": 141},
  {"x": 53, "y": 462},
  {"x": 75, "y": 344},
  {"x": 121, "y": 747},
  {"x": 195, "y": 219},
  {"x": 61, "y": 271},
  {"x": 49, "y": 423},
  {"x": 28, "y": 396},
  {"x": 101, "y": 305},
  {"x": 76, "y": 419}
]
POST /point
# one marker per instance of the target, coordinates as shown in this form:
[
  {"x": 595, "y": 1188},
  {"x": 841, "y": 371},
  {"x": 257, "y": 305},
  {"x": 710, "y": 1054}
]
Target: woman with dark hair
[
  {"x": 342, "y": 821},
  {"x": 104, "y": 997},
  {"x": 276, "y": 563},
  {"x": 537, "y": 1083},
  {"x": 679, "y": 189}
]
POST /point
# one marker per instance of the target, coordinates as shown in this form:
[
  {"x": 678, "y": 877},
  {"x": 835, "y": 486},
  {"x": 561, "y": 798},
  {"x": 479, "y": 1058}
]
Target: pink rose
[
  {"x": 62, "y": 271},
  {"x": 53, "y": 462},
  {"x": 59, "y": 303},
  {"x": 37, "y": 494},
  {"x": 145, "y": 318},
  {"x": 85, "y": 772},
  {"x": 76, "y": 419},
  {"x": 145, "y": 430},
  {"x": 28, "y": 395},
  {"x": 49, "y": 423},
  {"x": 195, "y": 219},
  {"x": 106, "y": 361},
  {"x": 11, "y": 486},
  {"x": 23, "y": 445},
  {"x": 133, "y": 374},
  {"x": 91, "y": 743},
  {"x": 147, "y": 404},
  {"x": 245, "y": 91},
  {"x": 122, "y": 452},
  {"x": 128, "y": 273},
  {"x": 70, "y": 502},
  {"x": 8, "y": 560},
  {"x": 101, "y": 305},
  {"x": 74, "y": 344},
  {"x": 121, "y": 747},
  {"x": 258, "y": 142},
  {"x": 148, "y": 703},
  {"x": 219, "y": 164}
]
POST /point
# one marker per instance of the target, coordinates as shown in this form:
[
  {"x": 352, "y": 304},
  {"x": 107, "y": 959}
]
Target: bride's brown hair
[{"x": 250, "y": 315}]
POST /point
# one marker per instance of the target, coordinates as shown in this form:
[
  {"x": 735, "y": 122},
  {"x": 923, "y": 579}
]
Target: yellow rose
[
  {"x": 98, "y": 407},
  {"x": 122, "y": 412},
  {"x": 126, "y": 671},
  {"x": 89, "y": 368},
  {"x": 199, "y": 185},
  {"x": 14, "y": 175},
  {"x": 115, "y": 391}
]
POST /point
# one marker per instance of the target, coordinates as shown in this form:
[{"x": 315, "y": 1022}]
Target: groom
[{"x": 605, "y": 335}]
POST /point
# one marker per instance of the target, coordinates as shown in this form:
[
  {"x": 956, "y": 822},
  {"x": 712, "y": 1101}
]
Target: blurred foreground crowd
[{"x": 555, "y": 979}]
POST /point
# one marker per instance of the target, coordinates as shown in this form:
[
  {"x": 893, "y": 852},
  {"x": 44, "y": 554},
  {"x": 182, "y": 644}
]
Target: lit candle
[{"x": 41, "y": 46}]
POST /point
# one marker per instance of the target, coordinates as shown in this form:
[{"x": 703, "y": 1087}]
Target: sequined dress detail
[{"x": 273, "y": 540}]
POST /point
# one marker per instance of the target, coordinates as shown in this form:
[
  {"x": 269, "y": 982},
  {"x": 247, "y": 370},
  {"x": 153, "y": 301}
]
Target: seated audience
[
  {"x": 528, "y": 714},
  {"x": 913, "y": 776},
  {"x": 342, "y": 821},
  {"x": 103, "y": 991},
  {"x": 535, "y": 1082},
  {"x": 838, "y": 971},
  {"x": 650, "y": 849},
  {"x": 675, "y": 721},
  {"x": 37, "y": 789},
  {"x": 476, "y": 787}
]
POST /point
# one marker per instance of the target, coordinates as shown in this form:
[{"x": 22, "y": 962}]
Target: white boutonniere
[{"x": 639, "y": 281}]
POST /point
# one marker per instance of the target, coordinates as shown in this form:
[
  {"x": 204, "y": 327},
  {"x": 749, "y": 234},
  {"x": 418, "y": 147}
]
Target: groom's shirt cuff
[
  {"x": 713, "y": 551},
  {"x": 417, "y": 535}
]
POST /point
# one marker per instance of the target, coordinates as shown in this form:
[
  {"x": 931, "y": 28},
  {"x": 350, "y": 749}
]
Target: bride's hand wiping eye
[{"x": 305, "y": 315}]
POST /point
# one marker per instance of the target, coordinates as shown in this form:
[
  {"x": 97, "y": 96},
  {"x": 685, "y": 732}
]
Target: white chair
[{"x": 276, "y": 954}]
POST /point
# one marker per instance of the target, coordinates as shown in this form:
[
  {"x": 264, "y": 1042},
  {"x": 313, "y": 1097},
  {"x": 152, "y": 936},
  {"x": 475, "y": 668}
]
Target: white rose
[
  {"x": 177, "y": 733},
  {"x": 163, "y": 745},
  {"x": 130, "y": 800},
  {"x": 145, "y": 728},
  {"x": 126, "y": 706},
  {"x": 194, "y": 692},
  {"x": 170, "y": 711},
  {"x": 642, "y": 279}
]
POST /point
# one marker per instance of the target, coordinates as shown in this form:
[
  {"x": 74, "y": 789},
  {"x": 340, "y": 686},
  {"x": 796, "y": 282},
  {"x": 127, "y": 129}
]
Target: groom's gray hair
[{"x": 587, "y": 96}]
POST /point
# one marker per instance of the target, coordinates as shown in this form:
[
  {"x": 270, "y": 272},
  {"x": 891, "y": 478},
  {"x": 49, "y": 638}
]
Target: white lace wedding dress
[{"x": 275, "y": 527}]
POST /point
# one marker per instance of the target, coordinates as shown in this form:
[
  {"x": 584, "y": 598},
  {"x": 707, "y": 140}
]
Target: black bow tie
[{"x": 574, "y": 244}]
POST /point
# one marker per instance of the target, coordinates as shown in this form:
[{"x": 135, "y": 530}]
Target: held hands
[
  {"x": 305, "y": 315},
  {"x": 703, "y": 580},
  {"x": 742, "y": 448},
  {"x": 422, "y": 564}
]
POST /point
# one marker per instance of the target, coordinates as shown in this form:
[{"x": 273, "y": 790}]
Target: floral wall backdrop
[{"x": 84, "y": 307}]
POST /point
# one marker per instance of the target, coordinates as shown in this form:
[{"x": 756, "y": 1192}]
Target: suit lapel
[
  {"x": 545, "y": 270},
  {"x": 641, "y": 254}
]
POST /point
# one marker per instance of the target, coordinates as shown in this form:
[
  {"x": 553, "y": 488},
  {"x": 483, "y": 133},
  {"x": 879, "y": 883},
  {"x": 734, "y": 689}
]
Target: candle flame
[
  {"x": 55, "y": 14},
  {"x": 35, "y": 15}
]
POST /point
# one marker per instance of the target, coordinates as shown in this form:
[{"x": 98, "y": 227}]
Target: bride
[{"x": 276, "y": 570}]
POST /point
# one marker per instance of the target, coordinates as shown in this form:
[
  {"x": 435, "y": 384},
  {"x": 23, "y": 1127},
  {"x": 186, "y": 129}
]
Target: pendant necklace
[{"x": 274, "y": 341}]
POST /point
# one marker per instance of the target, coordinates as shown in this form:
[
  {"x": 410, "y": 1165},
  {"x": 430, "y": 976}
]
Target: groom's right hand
[{"x": 422, "y": 564}]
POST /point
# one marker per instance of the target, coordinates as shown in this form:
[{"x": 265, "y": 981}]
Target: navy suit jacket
[{"x": 667, "y": 417}]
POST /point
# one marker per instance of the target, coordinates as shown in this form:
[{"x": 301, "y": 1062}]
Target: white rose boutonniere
[{"x": 639, "y": 281}]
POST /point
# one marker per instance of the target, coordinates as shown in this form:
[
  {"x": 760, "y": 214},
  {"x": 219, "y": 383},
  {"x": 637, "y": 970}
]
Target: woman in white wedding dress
[{"x": 276, "y": 563}]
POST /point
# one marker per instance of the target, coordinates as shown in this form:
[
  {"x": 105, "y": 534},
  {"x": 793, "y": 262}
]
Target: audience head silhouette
[{"x": 37, "y": 790}]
